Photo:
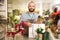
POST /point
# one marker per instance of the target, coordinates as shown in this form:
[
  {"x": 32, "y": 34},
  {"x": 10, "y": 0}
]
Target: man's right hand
[{"x": 28, "y": 24}]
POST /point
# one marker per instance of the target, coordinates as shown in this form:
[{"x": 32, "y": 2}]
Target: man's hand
[{"x": 28, "y": 24}]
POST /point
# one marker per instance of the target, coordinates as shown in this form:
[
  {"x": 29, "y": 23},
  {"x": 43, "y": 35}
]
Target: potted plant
[{"x": 39, "y": 32}]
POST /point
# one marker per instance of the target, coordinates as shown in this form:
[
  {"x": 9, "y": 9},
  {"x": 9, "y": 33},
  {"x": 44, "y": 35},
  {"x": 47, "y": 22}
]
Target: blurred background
[
  {"x": 41, "y": 5},
  {"x": 11, "y": 10}
]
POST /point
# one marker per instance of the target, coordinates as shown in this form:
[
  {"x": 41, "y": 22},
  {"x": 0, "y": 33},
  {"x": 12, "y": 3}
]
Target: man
[{"x": 29, "y": 17}]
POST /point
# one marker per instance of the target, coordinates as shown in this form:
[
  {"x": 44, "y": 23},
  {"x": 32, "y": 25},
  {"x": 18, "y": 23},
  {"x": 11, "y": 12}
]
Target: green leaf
[{"x": 39, "y": 30}]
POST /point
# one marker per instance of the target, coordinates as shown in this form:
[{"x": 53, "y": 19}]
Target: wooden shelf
[{"x": 2, "y": 32}]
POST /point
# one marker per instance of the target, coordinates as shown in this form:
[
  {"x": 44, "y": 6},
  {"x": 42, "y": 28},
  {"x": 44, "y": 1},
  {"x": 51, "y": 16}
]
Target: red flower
[
  {"x": 23, "y": 24},
  {"x": 10, "y": 34},
  {"x": 19, "y": 26}
]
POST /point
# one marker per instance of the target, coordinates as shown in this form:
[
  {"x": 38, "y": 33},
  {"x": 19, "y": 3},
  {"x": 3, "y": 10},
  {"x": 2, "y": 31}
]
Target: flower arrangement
[{"x": 12, "y": 17}]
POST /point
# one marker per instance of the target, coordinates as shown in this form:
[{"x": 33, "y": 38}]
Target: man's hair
[{"x": 31, "y": 2}]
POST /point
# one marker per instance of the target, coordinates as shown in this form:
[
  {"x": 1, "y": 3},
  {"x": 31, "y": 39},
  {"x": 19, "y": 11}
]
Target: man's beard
[{"x": 31, "y": 10}]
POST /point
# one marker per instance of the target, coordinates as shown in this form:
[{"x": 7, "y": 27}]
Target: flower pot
[{"x": 40, "y": 36}]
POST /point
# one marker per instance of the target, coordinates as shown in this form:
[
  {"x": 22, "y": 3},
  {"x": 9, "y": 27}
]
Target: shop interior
[{"x": 10, "y": 16}]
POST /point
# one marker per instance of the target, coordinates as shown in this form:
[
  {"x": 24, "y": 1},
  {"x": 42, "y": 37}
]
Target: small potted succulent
[{"x": 39, "y": 32}]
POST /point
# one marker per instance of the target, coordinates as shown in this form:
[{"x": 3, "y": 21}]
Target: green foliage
[
  {"x": 16, "y": 21},
  {"x": 39, "y": 30},
  {"x": 46, "y": 12},
  {"x": 50, "y": 22},
  {"x": 37, "y": 38},
  {"x": 40, "y": 17},
  {"x": 16, "y": 12},
  {"x": 12, "y": 16}
]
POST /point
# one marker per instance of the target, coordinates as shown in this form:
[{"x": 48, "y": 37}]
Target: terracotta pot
[
  {"x": 53, "y": 28},
  {"x": 40, "y": 36}
]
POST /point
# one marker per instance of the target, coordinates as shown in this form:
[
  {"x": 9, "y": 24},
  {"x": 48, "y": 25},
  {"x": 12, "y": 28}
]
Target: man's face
[{"x": 31, "y": 7}]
